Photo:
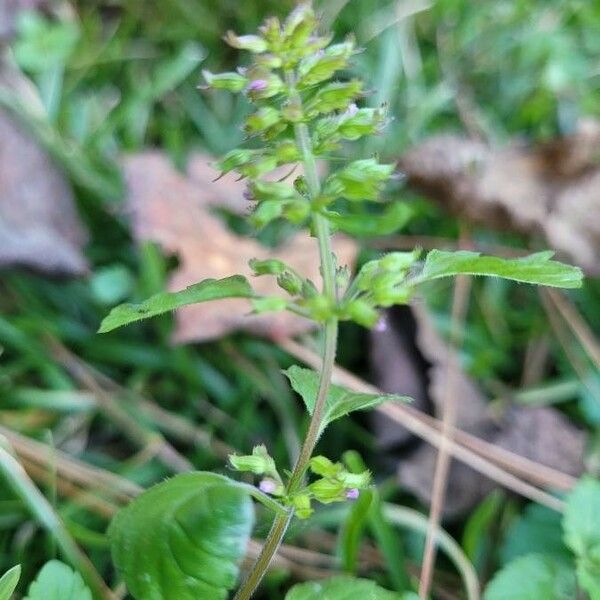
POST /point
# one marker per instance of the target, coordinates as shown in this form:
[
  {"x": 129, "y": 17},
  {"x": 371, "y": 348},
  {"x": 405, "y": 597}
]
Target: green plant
[
  {"x": 200, "y": 522},
  {"x": 544, "y": 575}
]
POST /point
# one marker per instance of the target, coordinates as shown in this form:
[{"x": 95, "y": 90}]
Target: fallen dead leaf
[
  {"x": 173, "y": 209},
  {"x": 39, "y": 226},
  {"x": 541, "y": 434},
  {"x": 551, "y": 189}
]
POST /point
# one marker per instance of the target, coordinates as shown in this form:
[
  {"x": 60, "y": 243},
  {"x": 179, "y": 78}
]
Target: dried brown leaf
[
  {"x": 541, "y": 434},
  {"x": 552, "y": 189},
  {"x": 39, "y": 227},
  {"x": 173, "y": 209}
]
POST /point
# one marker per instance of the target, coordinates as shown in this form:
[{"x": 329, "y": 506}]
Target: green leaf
[
  {"x": 183, "y": 538},
  {"x": 581, "y": 524},
  {"x": 57, "y": 581},
  {"x": 536, "y": 530},
  {"x": 352, "y": 531},
  {"x": 9, "y": 582},
  {"x": 581, "y": 521},
  {"x": 537, "y": 268},
  {"x": 393, "y": 218},
  {"x": 533, "y": 577},
  {"x": 236, "y": 286},
  {"x": 342, "y": 588},
  {"x": 340, "y": 401}
]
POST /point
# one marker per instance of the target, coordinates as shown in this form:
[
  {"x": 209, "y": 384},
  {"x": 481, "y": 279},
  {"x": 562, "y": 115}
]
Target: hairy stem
[{"x": 321, "y": 228}]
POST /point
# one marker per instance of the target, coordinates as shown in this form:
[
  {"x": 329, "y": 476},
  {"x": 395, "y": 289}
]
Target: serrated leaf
[
  {"x": 393, "y": 218},
  {"x": 57, "y": 581},
  {"x": 533, "y": 577},
  {"x": 236, "y": 286},
  {"x": 183, "y": 538},
  {"x": 340, "y": 401},
  {"x": 536, "y": 269},
  {"x": 342, "y": 588},
  {"x": 9, "y": 582},
  {"x": 581, "y": 525}
]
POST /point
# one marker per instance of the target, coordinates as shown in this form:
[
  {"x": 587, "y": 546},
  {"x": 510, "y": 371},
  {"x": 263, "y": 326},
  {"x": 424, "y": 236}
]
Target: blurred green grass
[{"x": 121, "y": 76}]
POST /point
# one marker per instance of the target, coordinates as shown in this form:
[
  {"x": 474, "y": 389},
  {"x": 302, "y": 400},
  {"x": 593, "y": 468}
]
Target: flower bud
[
  {"x": 319, "y": 307},
  {"x": 366, "y": 275},
  {"x": 342, "y": 277},
  {"x": 309, "y": 289},
  {"x": 361, "y": 312},
  {"x": 290, "y": 282},
  {"x": 334, "y": 96},
  {"x": 321, "y": 465},
  {"x": 287, "y": 152},
  {"x": 328, "y": 490},
  {"x": 269, "y": 304},
  {"x": 272, "y": 190},
  {"x": 299, "y": 26},
  {"x": 271, "y": 487},
  {"x": 292, "y": 112},
  {"x": 360, "y": 180},
  {"x": 365, "y": 121},
  {"x": 232, "y": 82},
  {"x": 271, "y": 31},
  {"x": 259, "y": 462},
  {"x": 268, "y": 61},
  {"x": 237, "y": 158},
  {"x": 355, "y": 480},
  {"x": 258, "y": 166},
  {"x": 252, "y": 43},
  {"x": 271, "y": 266},
  {"x": 265, "y": 212},
  {"x": 296, "y": 211},
  {"x": 322, "y": 65},
  {"x": 264, "y": 87},
  {"x": 399, "y": 261},
  {"x": 302, "y": 505},
  {"x": 262, "y": 119}
]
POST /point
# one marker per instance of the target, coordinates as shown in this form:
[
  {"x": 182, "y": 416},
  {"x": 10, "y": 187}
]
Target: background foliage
[{"x": 121, "y": 76}]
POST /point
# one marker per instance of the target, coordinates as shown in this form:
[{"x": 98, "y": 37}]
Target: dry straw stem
[
  {"x": 460, "y": 299},
  {"x": 495, "y": 463},
  {"x": 174, "y": 425},
  {"x": 104, "y": 493},
  {"x": 150, "y": 441},
  {"x": 578, "y": 326},
  {"x": 45, "y": 515},
  {"x": 561, "y": 331}
]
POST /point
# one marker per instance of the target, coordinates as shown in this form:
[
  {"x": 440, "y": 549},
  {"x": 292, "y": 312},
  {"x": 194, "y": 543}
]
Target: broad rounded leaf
[
  {"x": 581, "y": 524},
  {"x": 537, "y": 268},
  {"x": 533, "y": 577},
  {"x": 342, "y": 588},
  {"x": 57, "y": 581},
  {"x": 581, "y": 521},
  {"x": 340, "y": 401},
  {"x": 9, "y": 582},
  {"x": 183, "y": 538},
  {"x": 236, "y": 286}
]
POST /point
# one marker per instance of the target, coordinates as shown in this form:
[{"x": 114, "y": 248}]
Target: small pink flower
[
  {"x": 352, "y": 494},
  {"x": 381, "y": 325},
  {"x": 257, "y": 85},
  {"x": 351, "y": 110},
  {"x": 268, "y": 486}
]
